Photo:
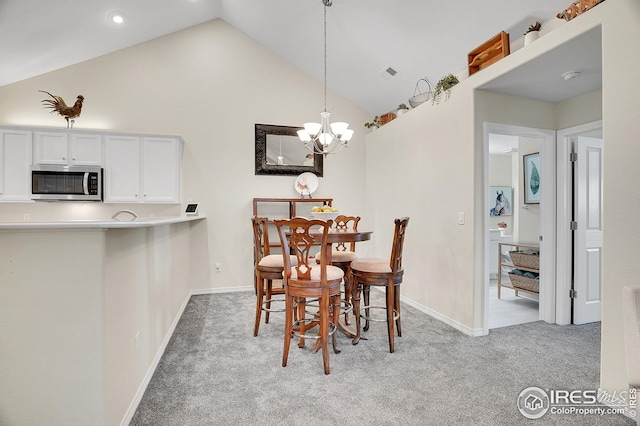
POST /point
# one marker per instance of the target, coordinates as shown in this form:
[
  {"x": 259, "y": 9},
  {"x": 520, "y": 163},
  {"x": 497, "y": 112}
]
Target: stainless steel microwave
[{"x": 70, "y": 183}]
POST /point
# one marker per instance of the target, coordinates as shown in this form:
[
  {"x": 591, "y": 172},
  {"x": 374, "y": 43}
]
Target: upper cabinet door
[
  {"x": 51, "y": 148},
  {"x": 67, "y": 149},
  {"x": 15, "y": 161},
  {"x": 121, "y": 169},
  {"x": 85, "y": 150},
  {"x": 161, "y": 169}
]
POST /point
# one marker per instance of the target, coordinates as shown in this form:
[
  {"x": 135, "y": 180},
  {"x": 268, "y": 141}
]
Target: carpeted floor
[{"x": 214, "y": 372}]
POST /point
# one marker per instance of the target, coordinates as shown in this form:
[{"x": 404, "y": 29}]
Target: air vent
[{"x": 388, "y": 72}]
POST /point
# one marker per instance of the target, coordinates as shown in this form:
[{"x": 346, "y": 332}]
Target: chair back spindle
[{"x": 398, "y": 243}]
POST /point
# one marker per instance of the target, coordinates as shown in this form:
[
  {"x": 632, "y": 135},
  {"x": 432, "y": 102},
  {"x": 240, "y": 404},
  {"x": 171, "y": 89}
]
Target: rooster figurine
[{"x": 57, "y": 104}]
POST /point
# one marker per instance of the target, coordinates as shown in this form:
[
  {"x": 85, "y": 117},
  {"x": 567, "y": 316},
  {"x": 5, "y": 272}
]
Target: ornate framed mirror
[{"x": 280, "y": 152}]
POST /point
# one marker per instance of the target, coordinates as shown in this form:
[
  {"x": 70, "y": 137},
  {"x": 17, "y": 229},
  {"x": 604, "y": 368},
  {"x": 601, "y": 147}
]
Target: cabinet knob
[{"x": 64, "y": 158}]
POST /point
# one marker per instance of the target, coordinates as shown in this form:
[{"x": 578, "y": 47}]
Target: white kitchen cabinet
[
  {"x": 121, "y": 169},
  {"x": 15, "y": 162},
  {"x": 85, "y": 149},
  {"x": 67, "y": 149},
  {"x": 161, "y": 159},
  {"x": 143, "y": 169}
]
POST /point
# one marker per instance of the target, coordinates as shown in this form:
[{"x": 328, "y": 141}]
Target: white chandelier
[{"x": 325, "y": 137}]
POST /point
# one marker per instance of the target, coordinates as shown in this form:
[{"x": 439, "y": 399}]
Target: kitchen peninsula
[{"x": 86, "y": 309}]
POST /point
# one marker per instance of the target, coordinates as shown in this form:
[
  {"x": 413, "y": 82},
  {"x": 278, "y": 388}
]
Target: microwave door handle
[{"x": 85, "y": 183}]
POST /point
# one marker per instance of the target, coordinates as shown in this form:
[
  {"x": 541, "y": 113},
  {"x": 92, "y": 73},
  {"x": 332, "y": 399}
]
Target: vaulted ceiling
[{"x": 417, "y": 38}]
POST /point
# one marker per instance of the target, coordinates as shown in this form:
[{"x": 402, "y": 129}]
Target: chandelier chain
[
  {"x": 325, "y": 52},
  {"x": 325, "y": 137}
]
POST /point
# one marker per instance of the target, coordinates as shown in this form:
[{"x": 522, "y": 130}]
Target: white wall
[
  {"x": 441, "y": 156},
  {"x": 621, "y": 91},
  {"x": 52, "y": 363},
  {"x": 210, "y": 84},
  {"x": 425, "y": 164},
  {"x": 71, "y": 305},
  {"x": 421, "y": 165},
  {"x": 528, "y": 218}
]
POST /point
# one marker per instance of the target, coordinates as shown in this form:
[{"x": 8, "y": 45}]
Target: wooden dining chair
[
  {"x": 267, "y": 268},
  {"x": 342, "y": 254},
  {"x": 369, "y": 272},
  {"x": 307, "y": 280}
]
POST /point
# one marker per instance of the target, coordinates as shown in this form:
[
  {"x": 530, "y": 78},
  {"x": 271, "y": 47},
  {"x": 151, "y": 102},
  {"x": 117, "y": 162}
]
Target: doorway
[{"x": 529, "y": 140}]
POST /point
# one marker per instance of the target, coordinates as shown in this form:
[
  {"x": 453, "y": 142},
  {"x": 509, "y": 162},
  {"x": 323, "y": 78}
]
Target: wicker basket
[
  {"x": 386, "y": 118},
  {"x": 577, "y": 8},
  {"x": 419, "y": 97},
  {"x": 524, "y": 283},
  {"x": 525, "y": 260}
]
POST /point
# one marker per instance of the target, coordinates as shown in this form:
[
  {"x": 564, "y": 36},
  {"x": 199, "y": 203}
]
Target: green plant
[
  {"x": 534, "y": 27},
  {"x": 374, "y": 124},
  {"x": 443, "y": 87}
]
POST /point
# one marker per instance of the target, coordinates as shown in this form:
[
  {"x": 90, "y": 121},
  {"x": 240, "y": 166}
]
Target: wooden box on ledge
[{"x": 488, "y": 52}]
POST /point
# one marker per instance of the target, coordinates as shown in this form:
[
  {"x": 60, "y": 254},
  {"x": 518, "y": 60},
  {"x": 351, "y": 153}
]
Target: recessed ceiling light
[{"x": 116, "y": 17}]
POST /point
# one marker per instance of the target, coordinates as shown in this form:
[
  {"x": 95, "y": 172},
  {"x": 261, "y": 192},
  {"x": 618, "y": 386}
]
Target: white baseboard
[
  {"x": 474, "y": 332},
  {"x": 200, "y": 291}
]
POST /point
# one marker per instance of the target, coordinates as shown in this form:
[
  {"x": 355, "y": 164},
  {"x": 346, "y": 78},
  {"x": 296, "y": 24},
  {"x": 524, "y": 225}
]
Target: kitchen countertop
[{"x": 140, "y": 222}]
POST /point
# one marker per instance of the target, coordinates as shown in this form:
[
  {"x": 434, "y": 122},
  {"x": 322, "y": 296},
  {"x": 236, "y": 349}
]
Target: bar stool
[
  {"x": 267, "y": 267},
  {"x": 306, "y": 280},
  {"x": 342, "y": 254},
  {"x": 369, "y": 272}
]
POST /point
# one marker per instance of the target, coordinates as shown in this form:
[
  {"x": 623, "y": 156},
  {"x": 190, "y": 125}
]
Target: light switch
[{"x": 460, "y": 218}]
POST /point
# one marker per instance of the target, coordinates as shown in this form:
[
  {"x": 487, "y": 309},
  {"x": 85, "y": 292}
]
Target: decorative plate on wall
[{"x": 306, "y": 183}]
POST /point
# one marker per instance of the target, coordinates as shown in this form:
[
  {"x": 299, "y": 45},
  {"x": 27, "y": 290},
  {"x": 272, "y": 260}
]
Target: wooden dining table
[{"x": 340, "y": 235}]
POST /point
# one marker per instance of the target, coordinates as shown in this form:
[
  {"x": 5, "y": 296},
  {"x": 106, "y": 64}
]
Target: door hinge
[
  {"x": 573, "y": 294},
  {"x": 573, "y": 157},
  {"x": 573, "y": 225}
]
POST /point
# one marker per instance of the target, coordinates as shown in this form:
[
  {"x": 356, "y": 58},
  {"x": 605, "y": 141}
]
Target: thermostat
[{"x": 192, "y": 209}]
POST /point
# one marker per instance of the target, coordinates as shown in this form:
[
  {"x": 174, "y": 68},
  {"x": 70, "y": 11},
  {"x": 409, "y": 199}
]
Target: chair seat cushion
[
  {"x": 333, "y": 273},
  {"x": 339, "y": 256},
  {"x": 275, "y": 261},
  {"x": 371, "y": 265}
]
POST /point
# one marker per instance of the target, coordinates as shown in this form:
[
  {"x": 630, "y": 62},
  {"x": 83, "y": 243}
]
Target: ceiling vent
[{"x": 388, "y": 72}]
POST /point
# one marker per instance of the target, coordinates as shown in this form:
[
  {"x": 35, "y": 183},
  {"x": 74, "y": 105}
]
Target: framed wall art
[
  {"x": 500, "y": 200},
  {"x": 532, "y": 186}
]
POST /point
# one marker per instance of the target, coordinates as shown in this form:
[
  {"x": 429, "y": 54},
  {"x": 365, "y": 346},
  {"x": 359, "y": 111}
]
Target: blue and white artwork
[
  {"x": 500, "y": 200},
  {"x": 532, "y": 178}
]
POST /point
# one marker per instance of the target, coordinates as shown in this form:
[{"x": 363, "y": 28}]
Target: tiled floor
[{"x": 510, "y": 309}]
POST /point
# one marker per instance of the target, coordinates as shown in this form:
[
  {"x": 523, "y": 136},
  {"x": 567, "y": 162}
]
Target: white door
[{"x": 588, "y": 235}]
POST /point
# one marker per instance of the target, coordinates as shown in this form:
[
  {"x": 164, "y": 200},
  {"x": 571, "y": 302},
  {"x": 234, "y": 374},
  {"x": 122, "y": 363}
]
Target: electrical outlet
[
  {"x": 137, "y": 341},
  {"x": 26, "y": 217}
]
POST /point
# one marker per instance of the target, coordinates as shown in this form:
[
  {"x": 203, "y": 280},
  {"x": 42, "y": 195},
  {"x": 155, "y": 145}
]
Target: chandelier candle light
[{"x": 325, "y": 137}]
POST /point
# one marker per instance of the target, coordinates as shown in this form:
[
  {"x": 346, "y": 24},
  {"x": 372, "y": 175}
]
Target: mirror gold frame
[{"x": 266, "y": 166}]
